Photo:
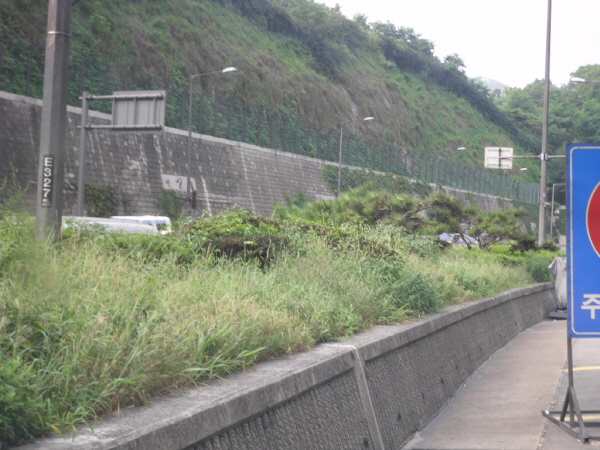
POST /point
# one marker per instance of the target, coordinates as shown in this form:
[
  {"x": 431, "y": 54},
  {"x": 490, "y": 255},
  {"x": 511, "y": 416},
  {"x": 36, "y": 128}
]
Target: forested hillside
[
  {"x": 294, "y": 57},
  {"x": 574, "y": 115},
  {"x": 301, "y": 60}
]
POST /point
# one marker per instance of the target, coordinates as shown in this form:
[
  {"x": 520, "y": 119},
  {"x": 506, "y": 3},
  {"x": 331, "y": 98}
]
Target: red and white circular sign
[{"x": 593, "y": 219}]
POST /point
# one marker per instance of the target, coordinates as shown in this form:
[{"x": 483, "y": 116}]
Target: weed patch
[{"x": 99, "y": 321}]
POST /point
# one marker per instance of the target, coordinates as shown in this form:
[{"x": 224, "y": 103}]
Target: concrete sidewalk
[{"x": 500, "y": 406}]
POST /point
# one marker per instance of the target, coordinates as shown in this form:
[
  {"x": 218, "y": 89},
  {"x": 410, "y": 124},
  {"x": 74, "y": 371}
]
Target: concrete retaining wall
[
  {"x": 373, "y": 391},
  {"x": 226, "y": 173}
]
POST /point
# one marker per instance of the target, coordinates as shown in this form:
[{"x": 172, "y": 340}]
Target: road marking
[
  {"x": 585, "y": 417},
  {"x": 579, "y": 369}
]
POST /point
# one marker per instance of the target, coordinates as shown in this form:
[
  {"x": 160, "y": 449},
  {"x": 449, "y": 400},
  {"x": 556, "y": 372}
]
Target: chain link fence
[
  {"x": 21, "y": 72},
  {"x": 235, "y": 121}
]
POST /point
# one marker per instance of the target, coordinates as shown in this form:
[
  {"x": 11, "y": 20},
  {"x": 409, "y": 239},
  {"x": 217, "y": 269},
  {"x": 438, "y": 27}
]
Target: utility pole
[
  {"x": 544, "y": 154},
  {"x": 49, "y": 202}
]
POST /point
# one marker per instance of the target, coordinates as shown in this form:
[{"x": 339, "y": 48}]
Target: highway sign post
[{"x": 133, "y": 112}]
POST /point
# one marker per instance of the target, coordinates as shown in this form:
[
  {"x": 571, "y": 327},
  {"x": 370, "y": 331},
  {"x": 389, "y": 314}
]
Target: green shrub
[
  {"x": 537, "y": 266},
  {"x": 550, "y": 245},
  {"x": 171, "y": 204},
  {"x": 237, "y": 233},
  {"x": 419, "y": 293},
  {"x": 153, "y": 248},
  {"x": 100, "y": 201},
  {"x": 20, "y": 404}
]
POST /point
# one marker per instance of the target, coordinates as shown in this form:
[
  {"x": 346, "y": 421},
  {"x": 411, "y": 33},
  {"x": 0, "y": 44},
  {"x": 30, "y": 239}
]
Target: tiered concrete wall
[
  {"x": 226, "y": 173},
  {"x": 373, "y": 391}
]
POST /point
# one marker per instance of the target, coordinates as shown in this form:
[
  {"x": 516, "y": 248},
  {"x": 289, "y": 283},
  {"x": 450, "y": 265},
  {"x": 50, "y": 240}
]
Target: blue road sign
[{"x": 583, "y": 239}]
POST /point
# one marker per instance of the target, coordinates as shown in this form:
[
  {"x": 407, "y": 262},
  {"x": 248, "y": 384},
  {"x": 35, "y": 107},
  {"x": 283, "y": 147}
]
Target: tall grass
[{"x": 90, "y": 324}]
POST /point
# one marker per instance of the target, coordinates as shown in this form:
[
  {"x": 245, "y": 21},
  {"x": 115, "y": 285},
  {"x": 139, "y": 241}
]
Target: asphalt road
[{"x": 500, "y": 406}]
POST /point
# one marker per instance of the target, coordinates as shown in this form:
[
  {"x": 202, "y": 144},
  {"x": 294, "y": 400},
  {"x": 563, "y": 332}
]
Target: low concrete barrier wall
[{"x": 372, "y": 391}]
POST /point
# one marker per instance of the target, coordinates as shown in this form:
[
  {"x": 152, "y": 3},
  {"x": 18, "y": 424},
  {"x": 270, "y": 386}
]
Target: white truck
[
  {"x": 107, "y": 224},
  {"x": 161, "y": 224}
]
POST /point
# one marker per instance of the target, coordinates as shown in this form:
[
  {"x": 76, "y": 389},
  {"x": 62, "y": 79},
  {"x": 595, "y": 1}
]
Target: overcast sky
[{"x": 504, "y": 40}]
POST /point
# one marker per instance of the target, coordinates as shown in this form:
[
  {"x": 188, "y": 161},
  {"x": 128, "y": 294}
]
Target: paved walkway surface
[{"x": 500, "y": 406}]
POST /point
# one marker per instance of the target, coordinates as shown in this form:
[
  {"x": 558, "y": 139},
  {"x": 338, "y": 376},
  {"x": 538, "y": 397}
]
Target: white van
[
  {"x": 162, "y": 224},
  {"x": 109, "y": 225}
]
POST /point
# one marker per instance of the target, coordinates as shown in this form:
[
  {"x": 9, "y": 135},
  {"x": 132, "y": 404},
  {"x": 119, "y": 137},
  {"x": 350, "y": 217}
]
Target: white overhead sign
[{"x": 498, "y": 158}]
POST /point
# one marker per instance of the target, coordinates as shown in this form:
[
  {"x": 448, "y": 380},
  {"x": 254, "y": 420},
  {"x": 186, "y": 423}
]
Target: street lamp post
[
  {"x": 339, "y": 178},
  {"x": 189, "y": 146},
  {"x": 544, "y": 153},
  {"x": 437, "y": 160}
]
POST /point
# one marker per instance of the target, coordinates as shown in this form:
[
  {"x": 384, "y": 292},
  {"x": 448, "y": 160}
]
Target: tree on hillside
[
  {"x": 524, "y": 106},
  {"x": 405, "y": 34},
  {"x": 361, "y": 19},
  {"x": 573, "y": 116},
  {"x": 439, "y": 212},
  {"x": 496, "y": 226},
  {"x": 585, "y": 104},
  {"x": 455, "y": 62},
  {"x": 364, "y": 206},
  {"x": 450, "y": 215}
]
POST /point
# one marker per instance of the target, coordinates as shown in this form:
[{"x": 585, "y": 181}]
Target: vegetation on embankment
[
  {"x": 296, "y": 58},
  {"x": 96, "y": 322}
]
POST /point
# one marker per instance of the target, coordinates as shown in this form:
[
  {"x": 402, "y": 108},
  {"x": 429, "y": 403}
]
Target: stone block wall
[{"x": 226, "y": 173}]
